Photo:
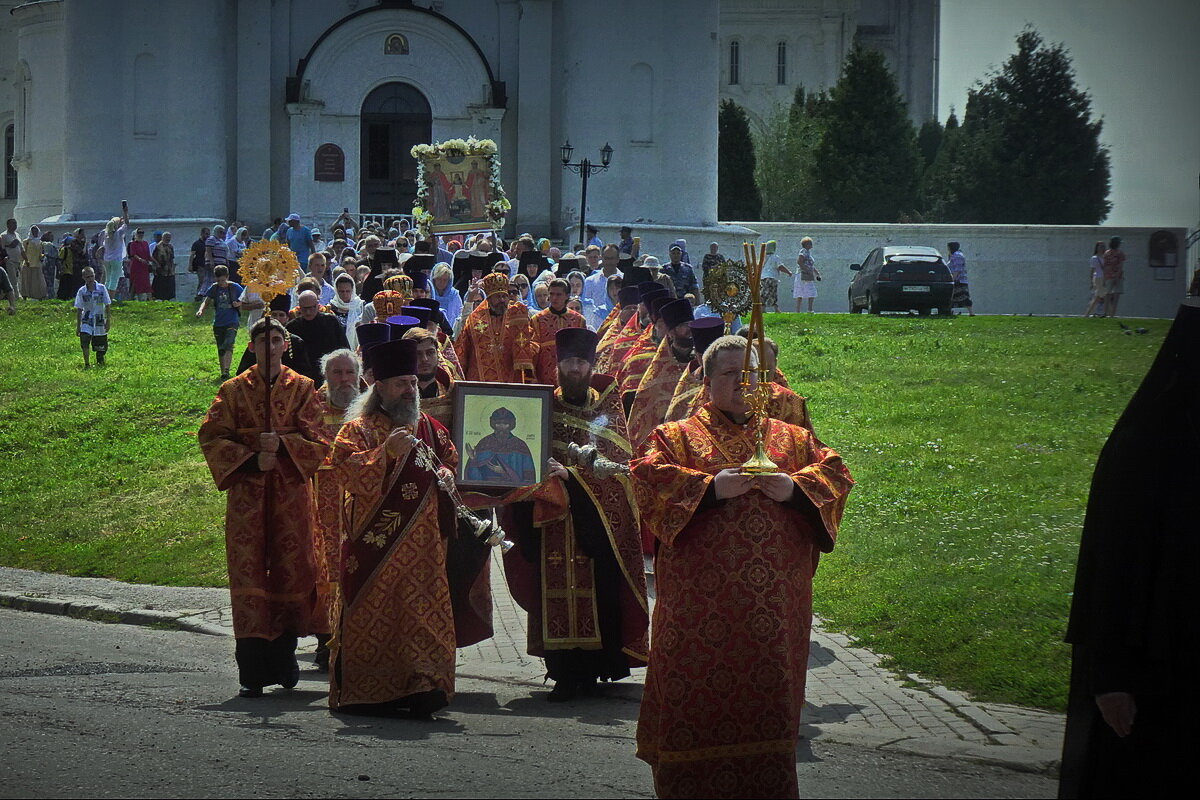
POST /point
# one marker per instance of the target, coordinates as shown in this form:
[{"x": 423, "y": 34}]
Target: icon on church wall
[
  {"x": 458, "y": 187},
  {"x": 502, "y": 432},
  {"x": 396, "y": 45}
]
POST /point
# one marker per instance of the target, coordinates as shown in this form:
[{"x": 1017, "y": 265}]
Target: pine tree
[
  {"x": 937, "y": 195},
  {"x": 737, "y": 194},
  {"x": 929, "y": 139},
  {"x": 867, "y": 162},
  {"x": 786, "y": 156},
  {"x": 1031, "y": 152}
]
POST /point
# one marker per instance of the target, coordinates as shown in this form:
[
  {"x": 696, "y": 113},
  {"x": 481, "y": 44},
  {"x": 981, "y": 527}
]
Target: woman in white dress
[{"x": 805, "y": 285}]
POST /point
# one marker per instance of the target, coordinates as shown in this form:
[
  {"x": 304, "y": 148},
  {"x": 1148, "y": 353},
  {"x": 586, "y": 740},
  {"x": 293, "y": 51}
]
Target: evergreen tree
[
  {"x": 786, "y": 155},
  {"x": 929, "y": 139},
  {"x": 867, "y": 162},
  {"x": 1031, "y": 152},
  {"x": 937, "y": 196},
  {"x": 737, "y": 194}
]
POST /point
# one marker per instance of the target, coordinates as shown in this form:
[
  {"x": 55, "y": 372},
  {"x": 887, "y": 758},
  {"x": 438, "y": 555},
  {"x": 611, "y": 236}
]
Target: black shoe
[
  {"x": 291, "y": 676},
  {"x": 224, "y": 376},
  {"x": 424, "y": 704},
  {"x": 250, "y": 691},
  {"x": 563, "y": 691}
]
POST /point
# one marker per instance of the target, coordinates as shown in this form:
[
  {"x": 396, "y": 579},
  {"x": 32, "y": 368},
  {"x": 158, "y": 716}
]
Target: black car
[{"x": 901, "y": 279}]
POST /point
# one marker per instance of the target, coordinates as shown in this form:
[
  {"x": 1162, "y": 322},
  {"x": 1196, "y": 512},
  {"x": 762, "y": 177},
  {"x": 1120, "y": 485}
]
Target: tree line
[{"x": 1027, "y": 151}]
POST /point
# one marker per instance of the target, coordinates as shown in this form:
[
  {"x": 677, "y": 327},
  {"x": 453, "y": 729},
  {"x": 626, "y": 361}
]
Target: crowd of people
[{"x": 649, "y": 426}]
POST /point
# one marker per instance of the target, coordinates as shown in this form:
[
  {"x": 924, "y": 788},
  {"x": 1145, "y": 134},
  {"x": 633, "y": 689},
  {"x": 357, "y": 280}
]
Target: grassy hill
[{"x": 972, "y": 441}]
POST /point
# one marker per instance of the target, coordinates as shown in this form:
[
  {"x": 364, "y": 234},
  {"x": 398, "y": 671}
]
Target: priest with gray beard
[
  {"x": 342, "y": 371},
  {"x": 395, "y": 628}
]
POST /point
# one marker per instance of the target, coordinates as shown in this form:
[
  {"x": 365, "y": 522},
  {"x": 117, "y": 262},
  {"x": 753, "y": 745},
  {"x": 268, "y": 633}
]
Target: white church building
[{"x": 252, "y": 109}]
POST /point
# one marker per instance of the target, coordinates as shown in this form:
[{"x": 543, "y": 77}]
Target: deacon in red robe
[
  {"x": 577, "y": 568},
  {"x": 496, "y": 343},
  {"x": 737, "y": 553},
  {"x": 342, "y": 371},
  {"x": 393, "y": 648},
  {"x": 611, "y": 355},
  {"x": 637, "y": 358},
  {"x": 657, "y": 386},
  {"x": 547, "y": 323},
  {"x": 266, "y": 470}
]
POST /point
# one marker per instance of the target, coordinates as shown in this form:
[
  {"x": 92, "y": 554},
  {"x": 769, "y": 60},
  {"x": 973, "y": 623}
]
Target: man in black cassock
[
  {"x": 320, "y": 330},
  {"x": 1134, "y": 625}
]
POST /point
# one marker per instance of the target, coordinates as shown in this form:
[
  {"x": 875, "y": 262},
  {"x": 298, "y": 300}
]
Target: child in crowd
[
  {"x": 93, "y": 317},
  {"x": 225, "y": 295}
]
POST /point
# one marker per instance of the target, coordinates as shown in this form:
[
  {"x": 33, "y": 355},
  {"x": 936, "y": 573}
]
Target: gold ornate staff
[{"x": 757, "y": 394}]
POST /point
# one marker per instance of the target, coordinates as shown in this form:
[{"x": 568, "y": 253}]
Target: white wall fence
[{"x": 1013, "y": 269}]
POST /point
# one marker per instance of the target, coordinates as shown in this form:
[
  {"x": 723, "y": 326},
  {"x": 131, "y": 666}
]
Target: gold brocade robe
[
  {"x": 654, "y": 393},
  {"x": 272, "y": 566},
  {"x": 545, "y": 326},
  {"x": 725, "y": 685},
  {"x": 635, "y": 361},
  {"x": 327, "y": 544},
  {"x": 610, "y": 351},
  {"x": 395, "y": 625},
  {"x": 448, "y": 356},
  {"x": 497, "y": 349}
]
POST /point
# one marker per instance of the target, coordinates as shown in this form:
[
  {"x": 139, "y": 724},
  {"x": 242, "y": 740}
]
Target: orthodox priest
[
  {"x": 266, "y": 469},
  {"x": 577, "y": 567},
  {"x": 342, "y": 372},
  {"x": 691, "y": 393},
  {"x": 657, "y": 386},
  {"x": 496, "y": 343},
  {"x": 736, "y": 558},
  {"x": 393, "y": 648}
]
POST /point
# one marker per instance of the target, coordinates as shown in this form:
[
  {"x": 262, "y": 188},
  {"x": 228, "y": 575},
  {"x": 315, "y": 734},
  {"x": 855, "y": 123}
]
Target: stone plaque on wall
[{"x": 329, "y": 163}]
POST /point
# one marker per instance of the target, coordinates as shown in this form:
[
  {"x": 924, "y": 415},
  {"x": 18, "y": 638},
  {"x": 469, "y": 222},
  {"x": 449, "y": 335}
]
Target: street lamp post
[{"x": 585, "y": 168}]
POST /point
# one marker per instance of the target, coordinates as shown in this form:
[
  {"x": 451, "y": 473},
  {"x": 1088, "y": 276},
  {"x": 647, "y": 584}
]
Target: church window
[
  {"x": 781, "y": 63},
  {"x": 10, "y": 172},
  {"x": 734, "y": 47},
  {"x": 396, "y": 45}
]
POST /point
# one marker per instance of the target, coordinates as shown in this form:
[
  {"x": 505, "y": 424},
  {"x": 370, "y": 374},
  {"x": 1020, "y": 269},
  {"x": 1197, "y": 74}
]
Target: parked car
[{"x": 901, "y": 279}]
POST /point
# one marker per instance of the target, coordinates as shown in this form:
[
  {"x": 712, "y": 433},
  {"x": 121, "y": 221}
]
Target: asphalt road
[{"x": 90, "y": 709}]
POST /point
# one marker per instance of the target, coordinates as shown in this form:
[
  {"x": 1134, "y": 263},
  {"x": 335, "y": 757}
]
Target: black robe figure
[{"x": 1134, "y": 624}]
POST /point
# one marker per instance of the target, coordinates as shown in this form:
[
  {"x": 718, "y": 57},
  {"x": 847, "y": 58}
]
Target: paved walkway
[{"x": 851, "y": 699}]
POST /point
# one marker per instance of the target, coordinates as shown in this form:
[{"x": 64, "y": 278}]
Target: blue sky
[{"x": 1141, "y": 63}]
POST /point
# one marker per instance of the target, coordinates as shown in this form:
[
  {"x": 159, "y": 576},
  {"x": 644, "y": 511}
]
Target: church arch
[{"x": 395, "y": 116}]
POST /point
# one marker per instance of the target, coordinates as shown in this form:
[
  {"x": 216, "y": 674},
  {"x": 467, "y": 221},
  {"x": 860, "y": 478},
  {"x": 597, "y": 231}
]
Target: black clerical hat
[
  {"x": 420, "y": 313},
  {"x": 645, "y": 286},
  {"x": 576, "y": 343},
  {"x": 629, "y": 296},
  {"x": 401, "y": 324},
  {"x": 648, "y": 298},
  {"x": 372, "y": 333},
  {"x": 419, "y": 262},
  {"x": 656, "y": 305},
  {"x": 281, "y": 302},
  {"x": 427, "y": 302},
  {"x": 676, "y": 312},
  {"x": 397, "y": 357},
  {"x": 705, "y": 331},
  {"x": 420, "y": 280}
]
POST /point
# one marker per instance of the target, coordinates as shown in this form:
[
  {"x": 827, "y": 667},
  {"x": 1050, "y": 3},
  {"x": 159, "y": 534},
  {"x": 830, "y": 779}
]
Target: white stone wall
[
  {"x": 1019, "y": 269},
  {"x": 39, "y": 115}
]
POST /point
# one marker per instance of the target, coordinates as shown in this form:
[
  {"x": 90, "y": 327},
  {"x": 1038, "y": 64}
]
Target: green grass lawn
[{"x": 972, "y": 440}]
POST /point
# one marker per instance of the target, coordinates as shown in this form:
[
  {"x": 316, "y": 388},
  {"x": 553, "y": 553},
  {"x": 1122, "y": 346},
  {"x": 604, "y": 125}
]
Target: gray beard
[
  {"x": 403, "y": 412},
  {"x": 342, "y": 396}
]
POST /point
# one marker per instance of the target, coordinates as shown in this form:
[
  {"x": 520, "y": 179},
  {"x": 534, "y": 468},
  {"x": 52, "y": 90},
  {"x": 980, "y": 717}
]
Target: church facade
[{"x": 252, "y": 109}]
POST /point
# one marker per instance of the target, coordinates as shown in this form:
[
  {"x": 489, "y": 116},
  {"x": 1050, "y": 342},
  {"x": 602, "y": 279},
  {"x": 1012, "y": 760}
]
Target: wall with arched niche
[{"x": 354, "y": 58}]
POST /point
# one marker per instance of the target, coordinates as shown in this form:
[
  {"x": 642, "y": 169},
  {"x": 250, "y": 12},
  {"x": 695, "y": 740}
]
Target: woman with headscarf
[
  {"x": 234, "y": 248},
  {"x": 50, "y": 262},
  {"x": 72, "y": 257},
  {"x": 164, "y": 268},
  {"x": 33, "y": 286},
  {"x": 346, "y": 307},
  {"x": 140, "y": 265},
  {"x": 1134, "y": 630}
]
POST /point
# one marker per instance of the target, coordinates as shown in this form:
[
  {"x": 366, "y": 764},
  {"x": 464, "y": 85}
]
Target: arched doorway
[{"x": 395, "y": 116}]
